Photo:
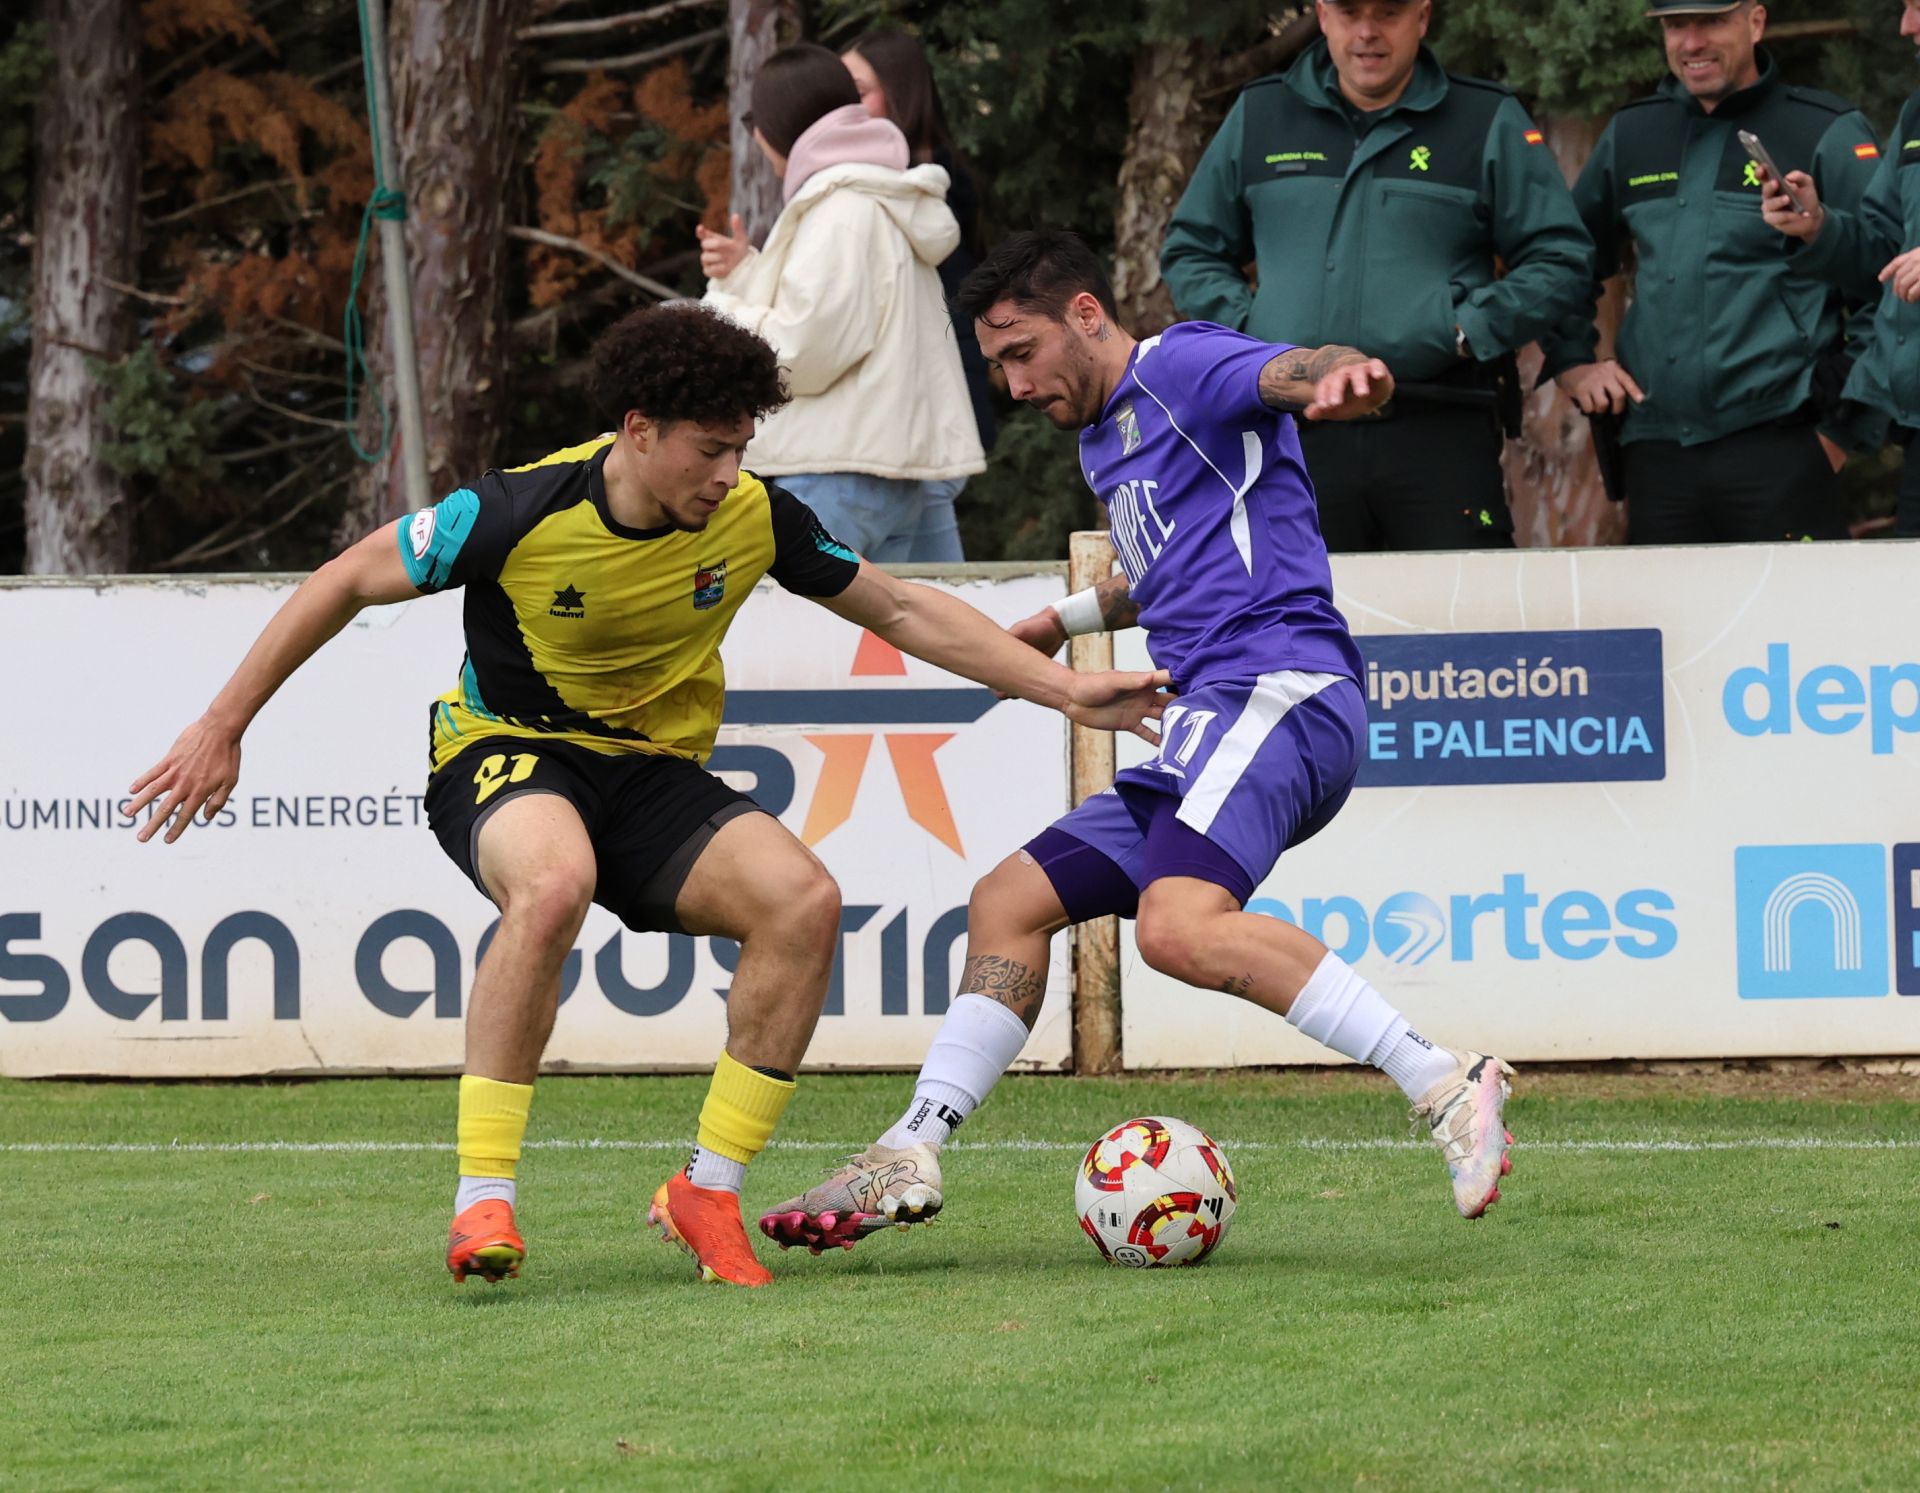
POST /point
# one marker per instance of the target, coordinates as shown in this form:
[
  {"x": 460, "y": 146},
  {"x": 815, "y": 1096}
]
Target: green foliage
[
  {"x": 1031, "y": 496},
  {"x": 1590, "y": 56},
  {"x": 628, "y": 171},
  {"x": 24, "y": 62},
  {"x": 1036, "y": 90},
  {"x": 159, "y": 433},
  {"x": 1563, "y": 56},
  {"x": 1874, "y": 66}
]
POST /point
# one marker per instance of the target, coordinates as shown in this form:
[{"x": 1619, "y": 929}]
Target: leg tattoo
[{"x": 1007, "y": 981}]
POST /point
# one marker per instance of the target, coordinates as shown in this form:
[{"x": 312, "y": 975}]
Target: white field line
[{"x": 325, "y": 1147}]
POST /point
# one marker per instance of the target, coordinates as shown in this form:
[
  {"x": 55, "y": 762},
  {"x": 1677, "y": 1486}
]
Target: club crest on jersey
[
  {"x": 709, "y": 585},
  {"x": 1129, "y": 424}
]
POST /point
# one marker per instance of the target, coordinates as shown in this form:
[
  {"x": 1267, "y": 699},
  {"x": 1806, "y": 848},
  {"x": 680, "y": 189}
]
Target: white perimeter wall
[
  {"x": 1746, "y": 885},
  {"x": 104, "y": 965}
]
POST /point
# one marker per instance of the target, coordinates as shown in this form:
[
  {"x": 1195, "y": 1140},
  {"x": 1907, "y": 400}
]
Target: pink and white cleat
[
  {"x": 880, "y": 1188},
  {"x": 1465, "y": 1113}
]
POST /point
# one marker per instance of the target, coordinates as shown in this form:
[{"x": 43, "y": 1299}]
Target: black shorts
[{"x": 649, "y": 816}]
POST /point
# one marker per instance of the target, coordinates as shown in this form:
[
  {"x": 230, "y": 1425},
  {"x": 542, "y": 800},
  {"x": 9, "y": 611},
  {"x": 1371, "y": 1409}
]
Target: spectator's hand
[
  {"x": 1600, "y": 386},
  {"x": 1351, "y": 390},
  {"x": 721, "y": 253},
  {"x": 1836, "y": 453},
  {"x": 196, "y": 776},
  {"x": 1781, "y": 213},
  {"x": 1903, "y": 273}
]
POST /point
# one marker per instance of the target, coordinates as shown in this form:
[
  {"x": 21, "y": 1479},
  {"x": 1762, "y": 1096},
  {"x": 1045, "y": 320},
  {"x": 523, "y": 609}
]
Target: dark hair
[
  {"x": 684, "y": 361},
  {"x": 796, "y": 86},
  {"x": 913, "y": 102},
  {"x": 1040, "y": 270}
]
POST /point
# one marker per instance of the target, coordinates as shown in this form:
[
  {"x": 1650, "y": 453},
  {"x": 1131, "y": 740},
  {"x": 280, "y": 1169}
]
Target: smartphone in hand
[{"x": 1750, "y": 142}]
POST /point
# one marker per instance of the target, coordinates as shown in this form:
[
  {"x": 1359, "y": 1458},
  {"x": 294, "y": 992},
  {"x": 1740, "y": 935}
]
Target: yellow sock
[
  {"x": 493, "y": 1121},
  {"x": 737, "y": 1120}
]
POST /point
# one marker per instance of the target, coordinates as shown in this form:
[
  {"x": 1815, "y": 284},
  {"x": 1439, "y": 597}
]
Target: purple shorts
[{"x": 1246, "y": 769}]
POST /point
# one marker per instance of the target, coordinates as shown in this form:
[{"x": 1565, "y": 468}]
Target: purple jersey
[{"x": 1212, "y": 513}]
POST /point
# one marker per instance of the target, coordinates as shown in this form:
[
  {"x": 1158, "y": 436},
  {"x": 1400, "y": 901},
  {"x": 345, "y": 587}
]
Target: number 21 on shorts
[{"x": 492, "y": 774}]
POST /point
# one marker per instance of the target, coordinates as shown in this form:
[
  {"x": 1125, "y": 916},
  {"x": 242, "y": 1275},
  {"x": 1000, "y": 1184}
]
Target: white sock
[
  {"x": 975, "y": 1044},
  {"x": 711, "y": 1169},
  {"x": 1339, "y": 1009},
  {"x": 477, "y": 1189},
  {"x": 1410, "y": 1060}
]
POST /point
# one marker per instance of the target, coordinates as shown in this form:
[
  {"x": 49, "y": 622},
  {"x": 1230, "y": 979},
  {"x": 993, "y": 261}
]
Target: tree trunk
[
  {"x": 1181, "y": 91},
  {"x": 1553, "y": 484},
  {"x": 1167, "y": 131},
  {"x": 754, "y": 32},
  {"x": 454, "y": 91},
  {"x": 87, "y": 155}
]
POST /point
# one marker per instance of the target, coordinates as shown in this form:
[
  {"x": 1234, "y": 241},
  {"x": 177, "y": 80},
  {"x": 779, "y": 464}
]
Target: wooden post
[{"x": 1096, "y": 945}]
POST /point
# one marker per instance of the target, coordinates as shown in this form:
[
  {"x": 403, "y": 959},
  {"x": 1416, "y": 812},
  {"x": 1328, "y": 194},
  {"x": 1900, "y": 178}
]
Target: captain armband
[{"x": 1081, "y": 612}]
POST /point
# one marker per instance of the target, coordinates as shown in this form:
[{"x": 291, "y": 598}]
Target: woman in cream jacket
[{"x": 847, "y": 291}]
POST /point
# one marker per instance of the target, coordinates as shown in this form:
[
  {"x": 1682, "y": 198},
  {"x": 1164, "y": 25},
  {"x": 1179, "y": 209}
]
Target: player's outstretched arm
[
  {"x": 1326, "y": 383},
  {"x": 202, "y": 767},
  {"x": 1107, "y": 607},
  {"x": 942, "y": 629}
]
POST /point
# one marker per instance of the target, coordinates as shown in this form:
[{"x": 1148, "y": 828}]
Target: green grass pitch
[{"x": 1687, "y": 1285}]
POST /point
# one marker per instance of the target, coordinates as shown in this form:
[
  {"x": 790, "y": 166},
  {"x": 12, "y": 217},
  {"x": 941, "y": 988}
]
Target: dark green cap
[{"x": 1656, "y": 8}]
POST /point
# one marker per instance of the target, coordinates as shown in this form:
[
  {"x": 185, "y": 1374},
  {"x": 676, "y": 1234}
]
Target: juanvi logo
[{"x": 1811, "y": 920}]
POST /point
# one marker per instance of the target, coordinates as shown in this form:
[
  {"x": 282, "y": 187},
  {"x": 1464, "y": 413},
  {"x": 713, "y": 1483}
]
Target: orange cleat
[
  {"x": 705, "y": 1222},
  {"x": 484, "y": 1242}
]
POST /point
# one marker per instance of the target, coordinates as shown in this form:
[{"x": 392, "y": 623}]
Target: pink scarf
[{"x": 849, "y": 135}]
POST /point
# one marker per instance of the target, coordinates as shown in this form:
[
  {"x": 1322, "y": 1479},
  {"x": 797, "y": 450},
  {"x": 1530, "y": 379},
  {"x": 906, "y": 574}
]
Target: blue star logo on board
[{"x": 1129, "y": 424}]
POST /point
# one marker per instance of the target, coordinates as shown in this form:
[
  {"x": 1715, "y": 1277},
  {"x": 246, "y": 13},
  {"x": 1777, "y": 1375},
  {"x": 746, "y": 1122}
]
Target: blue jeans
[{"x": 883, "y": 519}]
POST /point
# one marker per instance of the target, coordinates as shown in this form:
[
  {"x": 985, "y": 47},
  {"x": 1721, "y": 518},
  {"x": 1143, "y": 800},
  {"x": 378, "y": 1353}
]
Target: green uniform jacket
[
  {"x": 1724, "y": 330},
  {"x": 1851, "y": 251},
  {"x": 1379, "y": 231}
]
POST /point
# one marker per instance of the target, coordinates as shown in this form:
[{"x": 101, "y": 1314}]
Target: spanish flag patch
[
  {"x": 1867, "y": 152},
  {"x": 1533, "y": 137}
]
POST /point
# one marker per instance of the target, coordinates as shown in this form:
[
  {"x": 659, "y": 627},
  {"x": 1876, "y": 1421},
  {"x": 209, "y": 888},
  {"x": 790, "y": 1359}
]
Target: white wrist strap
[{"x": 1080, "y": 613}]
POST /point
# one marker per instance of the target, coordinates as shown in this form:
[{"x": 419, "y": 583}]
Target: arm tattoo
[
  {"x": 1008, "y": 981},
  {"x": 1118, "y": 609},
  {"x": 1288, "y": 380},
  {"x": 1239, "y": 984},
  {"x": 1323, "y": 360}
]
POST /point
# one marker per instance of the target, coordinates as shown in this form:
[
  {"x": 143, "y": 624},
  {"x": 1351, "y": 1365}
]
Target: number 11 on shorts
[{"x": 1175, "y": 754}]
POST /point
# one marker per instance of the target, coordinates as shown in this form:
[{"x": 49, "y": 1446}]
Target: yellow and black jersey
[{"x": 582, "y": 629}]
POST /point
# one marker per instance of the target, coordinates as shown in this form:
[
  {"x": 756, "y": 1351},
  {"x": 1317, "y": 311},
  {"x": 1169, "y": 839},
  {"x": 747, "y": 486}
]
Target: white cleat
[
  {"x": 880, "y": 1188},
  {"x": 1465, "y": 1114}
]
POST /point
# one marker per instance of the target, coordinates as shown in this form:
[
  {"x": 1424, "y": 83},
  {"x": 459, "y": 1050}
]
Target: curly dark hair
[{"x": 684, "y": 361}]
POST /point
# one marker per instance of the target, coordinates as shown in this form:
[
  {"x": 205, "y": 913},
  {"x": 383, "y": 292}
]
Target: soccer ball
[{"x": 1155, "y": 1192}]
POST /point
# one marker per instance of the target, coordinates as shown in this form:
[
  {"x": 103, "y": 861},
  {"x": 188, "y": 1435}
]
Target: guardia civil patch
[
  {"x": 1129, "y": 424},
  {"x": 709, "y": 585}
]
